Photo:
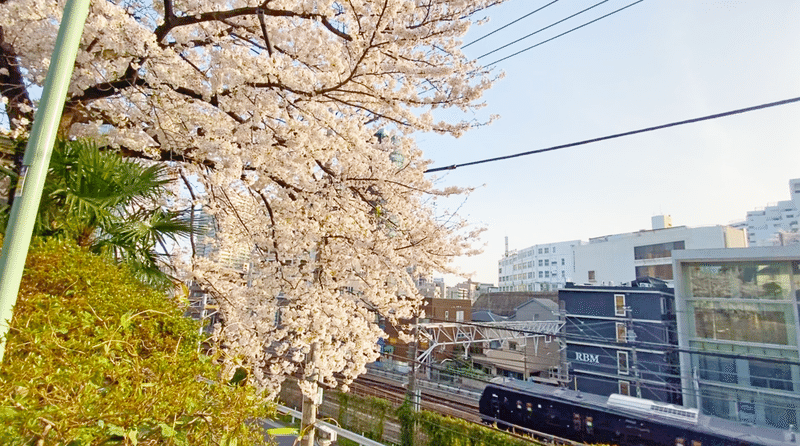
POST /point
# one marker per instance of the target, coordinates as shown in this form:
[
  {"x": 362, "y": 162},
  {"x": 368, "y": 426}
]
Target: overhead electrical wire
[
  {"x": 509, "y": 24},
  {"x": 538, "y": 30},
  {"x": 666, "y": 347},
  {"x": 564, "y": 33},
  {"x": 619, "y": 135}
]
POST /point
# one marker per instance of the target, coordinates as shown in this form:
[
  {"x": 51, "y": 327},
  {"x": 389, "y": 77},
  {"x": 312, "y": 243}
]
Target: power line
[
  {"x": 563, "y": 34},
  {"x": 666, "y": 347},
  {"x": 537, "y": 31},
  {"x": 619, "y": 135},
  {"x": 509, "y": 24}
]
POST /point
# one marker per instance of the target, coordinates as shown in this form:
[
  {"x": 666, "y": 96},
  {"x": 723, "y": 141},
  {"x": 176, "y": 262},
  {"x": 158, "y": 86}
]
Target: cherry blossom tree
[{"x": 291, "y": 123}]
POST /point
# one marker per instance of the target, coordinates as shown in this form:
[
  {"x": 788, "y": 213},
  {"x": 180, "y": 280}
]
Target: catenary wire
[
  {"x": 619, "y": 135},
  {"x": 509, "y": 24},
  {"x": 706, "y": 393},
  {"x": 666, "y": 347}
]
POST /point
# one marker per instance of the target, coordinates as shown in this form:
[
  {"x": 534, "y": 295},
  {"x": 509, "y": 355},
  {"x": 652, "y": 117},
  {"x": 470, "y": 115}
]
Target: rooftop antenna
[{"x": 506, "y": 246}]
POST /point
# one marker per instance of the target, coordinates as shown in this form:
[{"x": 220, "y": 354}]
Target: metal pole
[
  {"x": 631, "y": 335},
  {"x": 413, "y": 393},
  {"x": 311, "y": 403},
  {"x": 36, "y": 161},
  {"x": 563, "y": 364}
]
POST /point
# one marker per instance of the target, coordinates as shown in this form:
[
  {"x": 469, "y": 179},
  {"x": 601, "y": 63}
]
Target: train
[{"x": 617, "y": 419}]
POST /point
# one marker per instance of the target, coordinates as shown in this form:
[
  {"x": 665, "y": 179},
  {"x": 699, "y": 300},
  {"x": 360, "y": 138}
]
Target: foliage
[
  {"x": 407, "y": 418},
  {"x": 94, "y": 357},
  {"x": 110, "y": 205},
  {"x": 446, "y": 431},
  {"x": 290, "y": 121},
  {"x": 366, "y": 415}
]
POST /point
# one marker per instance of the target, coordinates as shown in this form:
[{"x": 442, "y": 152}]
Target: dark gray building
[{"x": 622, "y": 339}]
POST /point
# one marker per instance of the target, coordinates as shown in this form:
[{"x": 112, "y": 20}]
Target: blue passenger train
[{"x": 617, "y": 419}]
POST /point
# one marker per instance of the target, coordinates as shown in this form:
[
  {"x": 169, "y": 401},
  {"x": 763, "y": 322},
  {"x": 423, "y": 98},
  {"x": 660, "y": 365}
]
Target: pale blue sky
[{"x": 657, "y": 62}]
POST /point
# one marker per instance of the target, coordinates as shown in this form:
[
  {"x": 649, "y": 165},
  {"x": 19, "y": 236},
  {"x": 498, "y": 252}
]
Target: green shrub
[{"x": 95, "y": 357}]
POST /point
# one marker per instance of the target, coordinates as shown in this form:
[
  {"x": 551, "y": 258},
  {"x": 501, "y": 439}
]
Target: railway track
[
  {"x": 444, "y": 403},
  {"x": 432, "y": 400},
  {"x": 456, "y": 406}
]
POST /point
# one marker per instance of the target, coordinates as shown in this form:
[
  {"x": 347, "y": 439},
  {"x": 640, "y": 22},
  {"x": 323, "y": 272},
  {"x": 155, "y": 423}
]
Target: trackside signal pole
[{"x": 37, "y": 159}]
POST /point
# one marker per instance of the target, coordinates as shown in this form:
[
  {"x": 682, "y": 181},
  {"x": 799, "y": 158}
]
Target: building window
[
  {"x": 771, "y": 375},
  {"x": 540, "y": 250},
  {"x": 541, "y": 274},
  {"x": 547, "y": 273},
  {"x": 622, "y": 363},
  {"x": 546, "y": 250},
  {"x": 663, "y": 272},
  {"x": 622, "y": 333},
  {"x": 541, "y": 262},
  {"x": 740, "y": 280},
  {"x": 719, "y": 369},
  {"x": 446, "y": 315},
  {"x": 625, "y": 388},
  {"x": 742, "y": 322},
  {"x": 562, "y": 261},
  {"x": 546, "y": 262},
  {"x": 657, "y": 251},
  {"x": 619, "y": 305},
  {"x": 591, "y": 276},
  {"x": 460, "y": 316}
]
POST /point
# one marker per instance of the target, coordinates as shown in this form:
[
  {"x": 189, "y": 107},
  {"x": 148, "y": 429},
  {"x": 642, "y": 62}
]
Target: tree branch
[{"x": 171, "y": 21}]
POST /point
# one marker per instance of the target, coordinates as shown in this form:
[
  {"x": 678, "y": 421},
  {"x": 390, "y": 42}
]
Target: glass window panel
[
  {"x": 780, "y": 416},
  {"x": 720, "y": 369},
  {"x": 657, "y": 251},
  {"x": 622, "y": 362},
  {"x": 744, "y": 322},
  {"x": 622, "y": 332},
  {"x": 619, "y": 304},
  {"x": 741, "y": 280},
  {"x": 771, "y": 375},
  {"x": 663, "y": 272}
]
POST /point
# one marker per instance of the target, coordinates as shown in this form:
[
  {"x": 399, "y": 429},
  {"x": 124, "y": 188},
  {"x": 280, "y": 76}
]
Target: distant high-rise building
[
  {"x": 206, "y": 244},
  {"x": 542, "y": 267},
  {"x": 764, "y": 226}
]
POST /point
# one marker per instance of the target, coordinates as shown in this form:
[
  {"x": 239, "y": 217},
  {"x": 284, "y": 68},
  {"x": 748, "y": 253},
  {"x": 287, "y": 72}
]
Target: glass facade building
[{"x": 738, "y": 332}]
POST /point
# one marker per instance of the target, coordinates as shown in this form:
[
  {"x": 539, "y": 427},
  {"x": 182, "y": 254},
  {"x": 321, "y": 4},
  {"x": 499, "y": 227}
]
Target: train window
[
  {"x": 696, "y": 443},
  {"x": 576, "y": 422},
  {"x": 529, "y": 406},
  {"x": 589, "y": 425},
  {"x": 519, "y": 404},
  {"x": 680, "y": 442}
]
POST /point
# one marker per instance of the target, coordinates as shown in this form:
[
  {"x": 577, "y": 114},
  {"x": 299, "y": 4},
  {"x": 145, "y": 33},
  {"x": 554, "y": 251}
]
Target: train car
[{"x": 618, "y": 419}]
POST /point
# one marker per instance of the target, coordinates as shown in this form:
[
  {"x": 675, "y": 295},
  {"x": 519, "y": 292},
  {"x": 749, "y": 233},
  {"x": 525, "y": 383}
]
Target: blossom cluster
[{"x": 271, "y": 110}]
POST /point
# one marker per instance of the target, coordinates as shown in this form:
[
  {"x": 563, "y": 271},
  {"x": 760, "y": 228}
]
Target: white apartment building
[
  {"x": 769, "y": 226},
  {"x": 611, "y": 259},
  {"x": 621, "y": 258},
  {"x": 542, "y": 267}
]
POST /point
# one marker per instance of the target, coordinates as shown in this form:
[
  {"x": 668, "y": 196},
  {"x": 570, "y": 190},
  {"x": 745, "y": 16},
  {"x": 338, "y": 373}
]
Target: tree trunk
[
  {"x": 12, "y": 86},
  {"x": 310, "y": 402}
]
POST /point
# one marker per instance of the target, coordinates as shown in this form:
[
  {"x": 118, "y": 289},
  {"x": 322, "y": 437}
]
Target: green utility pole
[{"x": 37, "y": 159}]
